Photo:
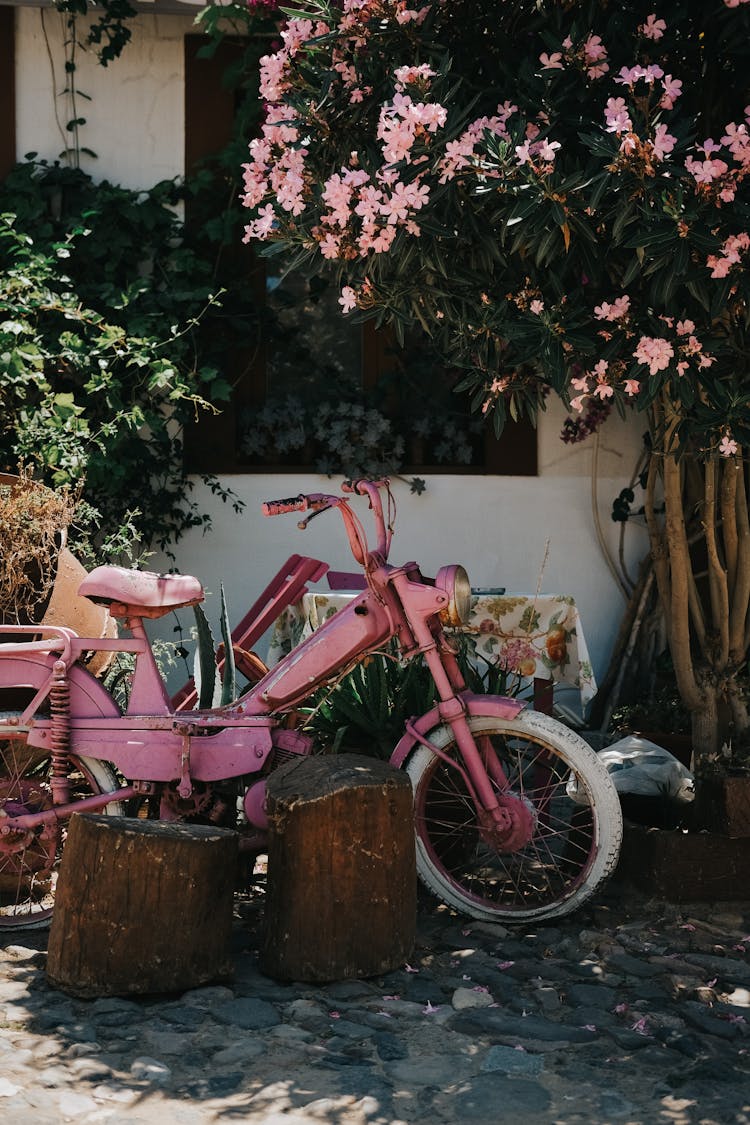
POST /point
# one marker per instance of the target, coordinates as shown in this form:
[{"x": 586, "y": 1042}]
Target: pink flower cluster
[
  {"x": 657, "y": 353},
  {"x": 718, "y": 176},
  {"x": 462, "y": 153},
  {"x": 590, "y": 55},
  {"x": 402, "y": 121},
  {"x": 732, "y": 250}
]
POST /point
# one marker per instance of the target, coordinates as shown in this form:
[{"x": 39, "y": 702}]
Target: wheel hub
[
  {"x": 22, "y": 851},
  {"x": 511, "y": 826}
]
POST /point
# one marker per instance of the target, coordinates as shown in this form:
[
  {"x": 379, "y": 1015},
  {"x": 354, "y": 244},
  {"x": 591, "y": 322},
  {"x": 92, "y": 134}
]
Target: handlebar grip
[{"x": 291, "y": 504}]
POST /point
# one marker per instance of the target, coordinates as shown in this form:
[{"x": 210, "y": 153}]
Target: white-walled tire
[{"x": 578, "y": 822}]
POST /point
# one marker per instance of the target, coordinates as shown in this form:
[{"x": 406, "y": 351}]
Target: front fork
[{"x": 506, "y": 822}]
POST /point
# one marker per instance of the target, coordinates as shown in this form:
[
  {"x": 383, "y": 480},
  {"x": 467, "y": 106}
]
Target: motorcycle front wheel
[{"x": 576, "y": 816}]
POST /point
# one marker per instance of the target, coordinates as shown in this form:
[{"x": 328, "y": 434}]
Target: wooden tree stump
[
  {"x": 342, "y": 888},
  {"x": 141, "y": 906}
]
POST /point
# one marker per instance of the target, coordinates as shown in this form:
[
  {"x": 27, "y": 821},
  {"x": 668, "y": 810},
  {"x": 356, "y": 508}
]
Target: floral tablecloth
[{"x": 537, "y": 636}]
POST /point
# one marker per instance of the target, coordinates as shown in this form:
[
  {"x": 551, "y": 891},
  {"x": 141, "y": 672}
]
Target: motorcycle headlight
[{"x": 454, "y": 582}]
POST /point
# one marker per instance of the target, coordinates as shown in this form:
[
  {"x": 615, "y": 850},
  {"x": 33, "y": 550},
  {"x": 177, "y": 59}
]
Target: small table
[{"x": 539, "y": 636}]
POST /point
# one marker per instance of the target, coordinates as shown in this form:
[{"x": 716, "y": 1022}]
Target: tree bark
[
  {"x": 341, "y": 899},
  {"x": 142, "y": 906}
]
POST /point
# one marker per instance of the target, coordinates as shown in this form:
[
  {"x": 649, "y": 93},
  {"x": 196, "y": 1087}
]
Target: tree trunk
[
  {"x": 142, "y": 906},
  {"x": 341, "y": 898}
]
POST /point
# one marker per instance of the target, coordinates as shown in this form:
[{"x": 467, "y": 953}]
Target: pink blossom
[
  {"x": 728, "y": 446},
  {"x": 384, "y": 240},
  {"x": 663, "y": 142},
  {"x": 619, "y": 308},
  {"x": 632, "y": 386},
  {"x": 264, "y": 223},
  {"x": 551, "y": 62},
  {"x": 705, "y": 171},
  {"x": 348, "y": 299},
  {"x": 616, "y": 116},
  {"x": 329, "y": 247},
  {"x": 537, "y": 307},
  {"x": 652, "y": 28},
  {"x": 405, "y": 75},
  {"x": 672, "y": 91},
  {"x": 654, "y": 352}
]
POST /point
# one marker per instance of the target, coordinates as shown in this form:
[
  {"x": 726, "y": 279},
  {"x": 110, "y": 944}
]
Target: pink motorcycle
[{"x": 514, "y": 815}]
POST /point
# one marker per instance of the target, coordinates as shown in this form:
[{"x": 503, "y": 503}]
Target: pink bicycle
[{"x": 515, "y": 817}]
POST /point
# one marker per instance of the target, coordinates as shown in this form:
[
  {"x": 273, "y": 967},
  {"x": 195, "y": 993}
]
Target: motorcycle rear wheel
[
  {"x": 29, "y": 861},
  {"x": 576, "y": 813}
]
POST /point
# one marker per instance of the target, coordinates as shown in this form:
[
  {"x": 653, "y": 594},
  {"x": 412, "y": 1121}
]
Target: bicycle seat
[{"x": 140, "y": 593}]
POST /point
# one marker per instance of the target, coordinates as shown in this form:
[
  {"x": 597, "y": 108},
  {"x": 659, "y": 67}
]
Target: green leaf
[
  {"x": 229, "y": 678},
  {"x": 205, "y": 672}
]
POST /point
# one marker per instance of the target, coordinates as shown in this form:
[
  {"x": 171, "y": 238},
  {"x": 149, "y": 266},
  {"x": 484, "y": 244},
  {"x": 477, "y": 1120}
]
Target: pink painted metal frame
[{"x": 157, "y": 742}]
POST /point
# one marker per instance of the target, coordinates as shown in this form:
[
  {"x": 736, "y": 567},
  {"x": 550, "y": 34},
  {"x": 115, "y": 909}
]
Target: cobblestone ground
[{"x": 631, "y": 1011}]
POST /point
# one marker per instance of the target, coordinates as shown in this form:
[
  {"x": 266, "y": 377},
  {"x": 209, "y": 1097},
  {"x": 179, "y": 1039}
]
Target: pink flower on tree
[
  {"x": 655, "y": 353},
  {"x": 672, "y": 91},
  {"x": 348, "y": 299},
  {"x": 663, "y": 142},
  {"x": 652, "y": 28},
  {"x": 618, "y": 309},
  {"x": 617, "y": 117},
  {"x": 728, "y": 447}
]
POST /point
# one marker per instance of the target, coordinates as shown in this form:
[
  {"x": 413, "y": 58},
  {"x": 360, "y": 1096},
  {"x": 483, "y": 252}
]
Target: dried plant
[{"x": 33, "y": 523}]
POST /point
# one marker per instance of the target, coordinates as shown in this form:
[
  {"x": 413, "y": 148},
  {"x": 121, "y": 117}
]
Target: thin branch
[
  {"x": 739, "y": 621},
  {"x": 728, "y": 500},
  {"x": 717, "y": 576},
  {"x": 657, "y": 540},
  {"x": 50, "y": 57}
]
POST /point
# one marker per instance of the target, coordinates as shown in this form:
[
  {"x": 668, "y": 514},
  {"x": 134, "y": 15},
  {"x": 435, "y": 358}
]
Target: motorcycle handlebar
[
  {"x": 278, "y": 507},
  {"x": 319, "y": 502}
]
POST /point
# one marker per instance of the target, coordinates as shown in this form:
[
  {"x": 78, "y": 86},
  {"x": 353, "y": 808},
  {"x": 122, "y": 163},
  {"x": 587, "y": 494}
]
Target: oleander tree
[{"x": 557, "y": 193}]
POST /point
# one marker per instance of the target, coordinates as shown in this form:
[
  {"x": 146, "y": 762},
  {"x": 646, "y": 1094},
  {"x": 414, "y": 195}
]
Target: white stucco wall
[
  {"x": 498, "y": 527},
  {"x": 135, "y": 118}
]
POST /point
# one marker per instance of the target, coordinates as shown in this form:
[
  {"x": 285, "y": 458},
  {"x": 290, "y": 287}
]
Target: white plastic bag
[{"x": 644, "y": 768}]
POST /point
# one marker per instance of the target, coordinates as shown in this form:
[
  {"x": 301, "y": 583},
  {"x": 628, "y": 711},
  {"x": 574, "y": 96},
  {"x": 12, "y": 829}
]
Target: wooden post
[
  {"x": 141, "y": 906},
  {"x": 341, "y": 898}
]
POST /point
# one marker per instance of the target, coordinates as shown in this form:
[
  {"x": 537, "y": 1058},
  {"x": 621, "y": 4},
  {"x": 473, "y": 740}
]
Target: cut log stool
[
  {"x": 142, "y": 906},
  {"x": 342, "y": 887}
]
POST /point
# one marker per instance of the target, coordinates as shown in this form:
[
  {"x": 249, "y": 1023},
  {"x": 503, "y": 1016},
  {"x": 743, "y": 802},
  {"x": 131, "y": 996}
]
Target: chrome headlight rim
[{"x": 454, "y": 581}]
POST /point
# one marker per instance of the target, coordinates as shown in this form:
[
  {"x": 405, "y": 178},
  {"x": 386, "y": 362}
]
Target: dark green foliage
[{"x": 108, "y": 329}]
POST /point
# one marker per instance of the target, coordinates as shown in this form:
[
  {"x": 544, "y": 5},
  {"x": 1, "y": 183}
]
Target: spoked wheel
[
  {"x": 29, "y": 859},
  {"x": 569, "y": 801}
]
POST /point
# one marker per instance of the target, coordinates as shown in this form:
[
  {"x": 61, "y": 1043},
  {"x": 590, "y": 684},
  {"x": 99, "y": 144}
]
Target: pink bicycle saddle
[{"x": 126, "y": 591}]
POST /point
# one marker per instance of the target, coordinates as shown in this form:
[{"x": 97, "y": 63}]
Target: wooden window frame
[{"x": 7, "y": 90}]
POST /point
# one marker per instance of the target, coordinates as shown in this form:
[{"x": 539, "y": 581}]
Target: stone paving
[{"x": 630, "y": 1011}]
